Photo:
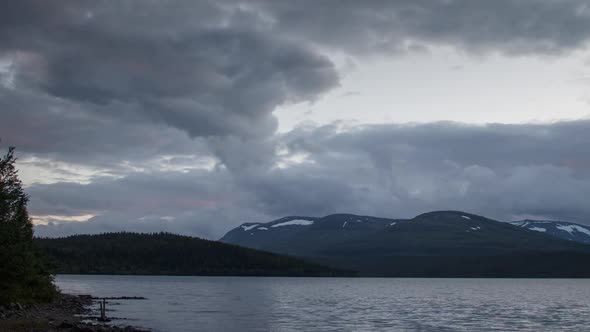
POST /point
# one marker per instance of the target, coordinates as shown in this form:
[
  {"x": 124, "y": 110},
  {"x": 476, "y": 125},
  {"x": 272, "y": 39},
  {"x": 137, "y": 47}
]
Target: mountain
[
  {"x": 560, "y": 229},
  {"x": 442, "y": 243},
  {"x": 169, "y": 254}
]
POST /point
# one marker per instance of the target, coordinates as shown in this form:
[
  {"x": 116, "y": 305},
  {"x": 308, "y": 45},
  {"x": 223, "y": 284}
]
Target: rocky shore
[{"x": 68, "y": 313}]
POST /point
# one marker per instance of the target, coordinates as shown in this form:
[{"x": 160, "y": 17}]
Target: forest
[{"x": 169, "y": 254}]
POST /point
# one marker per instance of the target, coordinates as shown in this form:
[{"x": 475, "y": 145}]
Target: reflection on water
[{"x": 342, "y": 304}]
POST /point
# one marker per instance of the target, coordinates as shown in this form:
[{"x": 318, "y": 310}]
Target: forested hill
[{"x": 169, "y": 254}]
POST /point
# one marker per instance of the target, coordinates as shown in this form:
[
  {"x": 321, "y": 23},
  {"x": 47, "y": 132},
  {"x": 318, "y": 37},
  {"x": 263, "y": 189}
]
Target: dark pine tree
[{"x": 23, "y": 276}]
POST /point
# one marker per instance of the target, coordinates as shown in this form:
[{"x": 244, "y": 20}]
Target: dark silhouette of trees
[
  {"x": 23, "y": 277},
  {"x": 169, "y": 254}
]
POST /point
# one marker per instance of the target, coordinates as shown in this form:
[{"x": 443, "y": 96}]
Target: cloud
[
  {"x": 159, "y": 114},
  {"x": 51, "y": 127},
  {"x": 201, "y": 67},
  {"x": 400, "y": 26},
  {"x": 198, "y": 202},
  {"x": 501, "y": 171},
  {"x": 144, "y": 72}
]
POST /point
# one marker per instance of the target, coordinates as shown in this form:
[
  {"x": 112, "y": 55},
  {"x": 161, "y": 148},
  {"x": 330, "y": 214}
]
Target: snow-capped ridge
[{"x": 294, "y": 222}]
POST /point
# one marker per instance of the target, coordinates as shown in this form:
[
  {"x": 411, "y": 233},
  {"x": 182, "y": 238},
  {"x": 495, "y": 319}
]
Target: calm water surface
[{"x": 342, "y": 304}]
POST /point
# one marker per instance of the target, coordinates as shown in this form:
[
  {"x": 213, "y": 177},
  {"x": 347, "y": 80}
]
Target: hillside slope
[
  {"x": 443, "y": 243},
  {"x": 169, "y": 254}
]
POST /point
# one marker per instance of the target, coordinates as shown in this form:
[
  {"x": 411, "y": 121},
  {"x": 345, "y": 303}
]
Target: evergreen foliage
[
  {"x": 23, "y": 277},
  {"x": 169, "y": 254}
]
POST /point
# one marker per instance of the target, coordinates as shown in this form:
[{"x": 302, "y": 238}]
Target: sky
[{"x": 193, "y": 117}]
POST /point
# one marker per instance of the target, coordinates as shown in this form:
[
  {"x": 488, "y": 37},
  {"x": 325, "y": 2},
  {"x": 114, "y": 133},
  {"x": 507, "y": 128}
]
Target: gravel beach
[{"x": 67, "y": 313}]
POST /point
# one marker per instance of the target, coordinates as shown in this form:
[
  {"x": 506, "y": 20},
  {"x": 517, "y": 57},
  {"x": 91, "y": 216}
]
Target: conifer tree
[{"x": 23, "y": 277}]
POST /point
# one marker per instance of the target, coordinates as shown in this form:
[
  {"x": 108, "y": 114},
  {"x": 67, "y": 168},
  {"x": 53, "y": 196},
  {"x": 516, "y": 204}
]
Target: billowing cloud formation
[
  {"x": 502, "y": 171},
  {"x": 202, "y": 67},
  {"x": 165, "y": 109},
  {"x": 50, "y": 127},
  {"x": 218, "y": 68}
]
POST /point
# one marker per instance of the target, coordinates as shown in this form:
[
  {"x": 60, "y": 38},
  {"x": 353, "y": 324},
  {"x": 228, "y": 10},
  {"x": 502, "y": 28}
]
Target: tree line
[{"x": 169, "y": 254}]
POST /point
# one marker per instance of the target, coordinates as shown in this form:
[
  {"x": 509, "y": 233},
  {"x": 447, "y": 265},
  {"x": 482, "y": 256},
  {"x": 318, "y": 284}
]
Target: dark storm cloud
[
  {"x": 506, "y": 26},
  {"x": 139, "y": 87},
  {"x": 202, "y": 67},
  {"x": 220, "y": 68},
  {"x": 502, "y": 171},
  {"x": 496, "y": 146},
  {"x": 54, "y": 128}
]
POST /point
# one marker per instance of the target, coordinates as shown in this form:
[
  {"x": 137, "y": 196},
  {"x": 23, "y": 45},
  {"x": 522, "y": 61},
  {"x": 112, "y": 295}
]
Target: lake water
[{"x": 341, "y": 304}]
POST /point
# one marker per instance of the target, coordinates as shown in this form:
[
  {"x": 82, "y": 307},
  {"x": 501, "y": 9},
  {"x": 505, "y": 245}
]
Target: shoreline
[{"x": 67, "y": 313}]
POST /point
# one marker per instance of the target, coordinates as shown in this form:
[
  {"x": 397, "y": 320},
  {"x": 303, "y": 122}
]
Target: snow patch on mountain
[
  {"x": 538, "y": 229},
  {"x": 572, "y": 228},
  {"x": 560, "y": 229},
  {"x": 247, "y": 228},
  {"x": 295, "y": 222}
]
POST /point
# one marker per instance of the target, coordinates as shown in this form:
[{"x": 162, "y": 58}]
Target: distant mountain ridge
[
  {"x": 440, "y": 243},
  {"x": 560, "y": 229}
]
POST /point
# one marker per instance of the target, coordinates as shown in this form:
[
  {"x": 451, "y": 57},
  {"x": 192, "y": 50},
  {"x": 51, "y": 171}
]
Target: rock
[
  {"x": 66, "y": 325},
  {"x": 85, "y": 328}
]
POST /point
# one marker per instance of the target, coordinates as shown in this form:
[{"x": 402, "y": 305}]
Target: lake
[{"x": 341, "y": 304}]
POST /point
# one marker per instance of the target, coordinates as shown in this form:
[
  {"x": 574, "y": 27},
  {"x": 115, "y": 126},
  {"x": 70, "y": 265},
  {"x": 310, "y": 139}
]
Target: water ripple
[{"x": 341, "y": 304}]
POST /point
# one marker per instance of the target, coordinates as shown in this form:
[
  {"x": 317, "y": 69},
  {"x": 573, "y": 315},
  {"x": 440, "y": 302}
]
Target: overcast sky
[{"x": 195, "y": 116}]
